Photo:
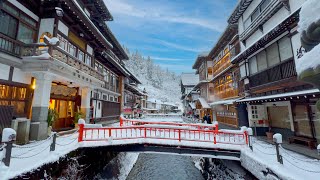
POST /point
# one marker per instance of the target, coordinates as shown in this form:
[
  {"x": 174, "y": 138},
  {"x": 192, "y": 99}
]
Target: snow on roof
[
  {"x": 192, "y": 105},
  {"x": 153, "y": 100},
  {"x": 203, "y": 103},
  {"x": 229, "y": 101},
  {"x": 305, "y": 92},
  {"x": 189, "y": 79}
]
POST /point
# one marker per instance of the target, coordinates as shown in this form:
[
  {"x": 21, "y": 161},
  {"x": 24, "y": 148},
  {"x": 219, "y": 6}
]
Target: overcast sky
[{"x": 171, "y": 32}]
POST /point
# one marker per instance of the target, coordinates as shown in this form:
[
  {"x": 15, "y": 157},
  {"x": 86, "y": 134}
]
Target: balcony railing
[
  {"x": 227, "y": 93},
  {"x": 282, "y": 71},
  {"x": 10, "y": 46},
  {"x": 65, "y": 57}
]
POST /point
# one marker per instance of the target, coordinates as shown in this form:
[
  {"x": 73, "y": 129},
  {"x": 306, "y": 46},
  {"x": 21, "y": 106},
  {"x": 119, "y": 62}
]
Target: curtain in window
[
  {"x": 25, "y": 34},
  {"x": 273, "y": 54},
  {"x": 253, "y": 65},
  {"x": 285, "y": 48},
  {"x": 262, "y": 61}
]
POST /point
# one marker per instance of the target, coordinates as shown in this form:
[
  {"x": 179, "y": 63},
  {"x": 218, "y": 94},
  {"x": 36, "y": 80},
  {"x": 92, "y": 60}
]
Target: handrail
[
  {"x": 10, "y": 45},
  {"x": 161, "y": 133}
]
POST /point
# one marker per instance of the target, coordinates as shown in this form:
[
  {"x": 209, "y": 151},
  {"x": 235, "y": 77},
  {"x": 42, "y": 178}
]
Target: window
[
  {"x": 262, "y": 61},
  {"x": 88, "y": 60},
  {"x": 116, "y": 99},
  {"x": 99, "y": 105},
  {"x": 254, "y": 112},
  {"x": 255, "y": 14},
  {"x": 243, "y": 72},
  {"x": 285, "y": 48},
  {"x": 253, "y": 65},
  {"x": 273, "y": 54},
  {"x": 8, "y": 25},
  {"x": 247, "y": 23},
  {"x": 25, "y": 34},
  {"x": 80, "y": 55},
  {"x": 111, "y": 98},
  {"x": 63, "y": 43},
  {"x": 72, "y": 49},
  {"x": 105, "y": 97},
  {"x": 264, "y": 4}
]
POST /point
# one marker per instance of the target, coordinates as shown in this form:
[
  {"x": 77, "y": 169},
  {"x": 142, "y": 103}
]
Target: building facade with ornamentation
[
  {"x": 270, "y": 44},
  {"x": 59, "y": 55}
]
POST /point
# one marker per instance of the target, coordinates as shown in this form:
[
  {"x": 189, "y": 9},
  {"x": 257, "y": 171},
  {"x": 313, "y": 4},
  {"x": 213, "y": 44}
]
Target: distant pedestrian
[
  {"x": 204, "y": 118},
  {"x": 209, "y": 119}
]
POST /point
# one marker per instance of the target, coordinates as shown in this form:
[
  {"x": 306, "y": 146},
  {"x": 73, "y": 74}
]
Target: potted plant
[
  {"x": 269, "y": 133},
  {"x": 52, "y": 116},
  {"x": 77, "y": 115}
]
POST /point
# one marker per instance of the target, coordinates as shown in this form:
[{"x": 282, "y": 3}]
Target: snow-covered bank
[
  {"x": 127, "y": 161},
  {"x": 262, "y": 163}
]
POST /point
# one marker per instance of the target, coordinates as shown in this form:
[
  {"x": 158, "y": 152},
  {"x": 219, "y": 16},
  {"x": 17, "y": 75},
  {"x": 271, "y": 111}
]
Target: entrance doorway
[{"x": 302, "y": 126}]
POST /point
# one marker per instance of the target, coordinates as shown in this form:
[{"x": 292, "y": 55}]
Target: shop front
[{"x": 66, "y": 102}]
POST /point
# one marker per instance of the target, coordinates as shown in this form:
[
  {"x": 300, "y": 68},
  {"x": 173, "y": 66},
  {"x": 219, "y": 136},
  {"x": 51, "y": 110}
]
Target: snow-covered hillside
[{"x": 159, "y": 83}]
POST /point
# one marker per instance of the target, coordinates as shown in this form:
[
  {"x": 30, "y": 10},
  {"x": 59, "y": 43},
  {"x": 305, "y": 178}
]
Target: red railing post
[
  {"x": 179, "y": 134},
  {"x": 145, "y": 132},
  {"x": 80, "y": 137},
  {"x": 215, "y": 133},
  {"x": 246, "y": 135},
  {"x": 121, "y": 121},
  {"x": 110, "y": 132}
]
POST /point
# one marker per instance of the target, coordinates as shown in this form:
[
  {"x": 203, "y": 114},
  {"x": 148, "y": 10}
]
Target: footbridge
[{"x": 204, "y": 140}]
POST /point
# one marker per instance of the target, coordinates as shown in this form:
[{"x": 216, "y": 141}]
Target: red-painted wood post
[
  {"x": 179, "y": 135},
  {"x": 121, "y": 121},
  {"x": 145, "y": 132},
  {"x": 246, "y": 135},
  {"x": 109, "y": 132},
  {"x": 80, "y": 138},
  {"x": 215, "y": 134}
]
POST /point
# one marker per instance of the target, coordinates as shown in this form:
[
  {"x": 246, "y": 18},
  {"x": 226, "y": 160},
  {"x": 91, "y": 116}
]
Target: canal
[{"x": 162, "y": 166}]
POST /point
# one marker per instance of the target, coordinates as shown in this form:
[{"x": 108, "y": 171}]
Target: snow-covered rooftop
[
  {"x": 189, "y": 79},
  {"x": 204, "y": 103}
]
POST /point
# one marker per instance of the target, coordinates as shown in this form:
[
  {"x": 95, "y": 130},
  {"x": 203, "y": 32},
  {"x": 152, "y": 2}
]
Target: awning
[
  {"x": 192, "y": 105},
  {"x": 224, "y": 102},
  {"x": 289, "y": 94},
  {"x": 204, "y": 103}
]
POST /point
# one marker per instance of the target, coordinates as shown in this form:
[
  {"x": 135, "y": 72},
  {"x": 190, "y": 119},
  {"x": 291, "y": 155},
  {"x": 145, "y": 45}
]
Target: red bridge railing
[
  {"x": 133, "y": 122},
  {"x": 168, "y": 133}
]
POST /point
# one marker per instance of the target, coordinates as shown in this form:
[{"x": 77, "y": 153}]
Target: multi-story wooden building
[
  {"x": 132, "y": 97},
  {"x": 203, "y": 66},
  {"x": 83, "y": 72},
  {"x": 270, "y": 45},
  {"x": 226, "y": 77},
  {"x": 187, "y": 83}
]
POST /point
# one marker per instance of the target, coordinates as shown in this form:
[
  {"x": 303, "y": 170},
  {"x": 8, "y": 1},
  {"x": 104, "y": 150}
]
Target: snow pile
[
  {"x": 127, "y": 161},
  {"x": 309, "y": 13},
  {"x": 8, "y": 135},
  {"x": 309, "y": 63}
]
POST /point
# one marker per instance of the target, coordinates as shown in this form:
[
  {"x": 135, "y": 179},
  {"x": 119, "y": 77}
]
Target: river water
[{"x": 160, "y": 167}]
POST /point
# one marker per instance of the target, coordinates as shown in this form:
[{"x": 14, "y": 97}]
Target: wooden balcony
[
  {"x": 221, "y": 65},
  {"x": 65, "y": 57},
  {"x": 229, "y": 93},
  {"x": 282, "y": 71},
  {"x": 10, "y": 46}
]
